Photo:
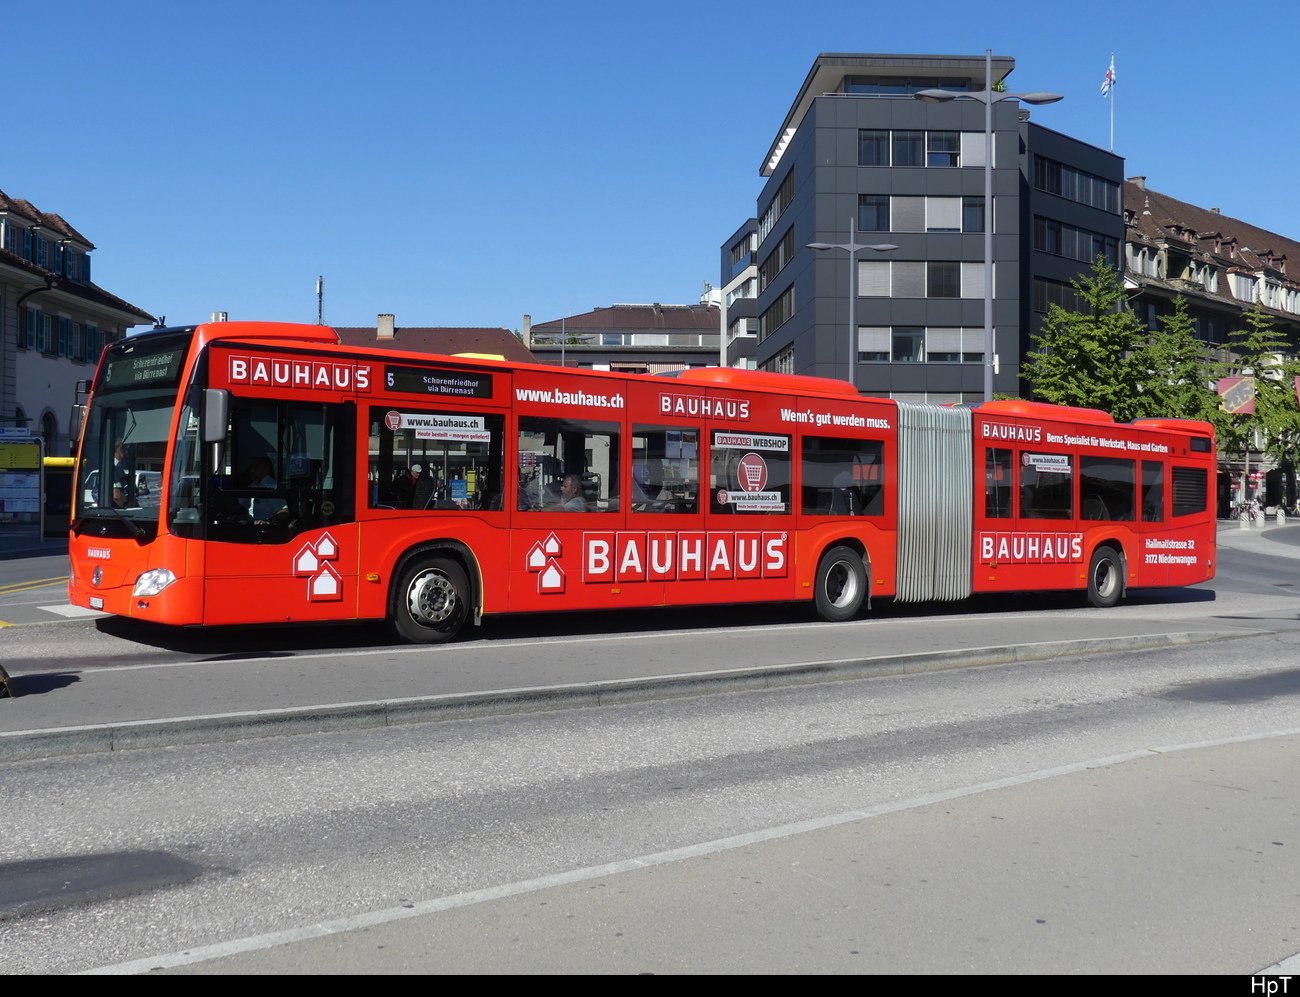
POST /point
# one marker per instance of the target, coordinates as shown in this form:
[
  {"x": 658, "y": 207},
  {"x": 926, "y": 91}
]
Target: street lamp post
[
  {"x": 852, "y": 247},
  {"x": 988, "y": 98}
]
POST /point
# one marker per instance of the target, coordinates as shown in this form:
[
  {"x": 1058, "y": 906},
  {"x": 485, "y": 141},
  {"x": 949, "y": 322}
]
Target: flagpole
[{"x": 1112, "y": 106}]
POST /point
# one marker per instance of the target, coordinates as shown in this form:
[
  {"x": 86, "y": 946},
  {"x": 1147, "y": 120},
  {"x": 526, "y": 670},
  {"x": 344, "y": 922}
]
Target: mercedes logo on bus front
[{"x": 97, "y": 576}]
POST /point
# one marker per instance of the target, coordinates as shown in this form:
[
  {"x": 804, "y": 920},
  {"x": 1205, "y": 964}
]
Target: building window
[
  {"x": 954, "y": 345},
  {"x": 777, "y": 314},
  {"x": 915, "y": 344},
  {"x": 873, "y": 213},
  {"x": 873, "y": 147},
  {"x": 881, "y": 147},
  {"x": 943, "y": 214},
  {"x": 65, "y": 336},
  {"x": 873, "y": 344},
  {"x": 781, "y": 254},
  {"x": 902, "y": 86},
  {"x": 1076, "y": 185},
  {"x": 942, "y": 149},
  {"x": 972, "y": 214},
  {"x": 783, "y": 362},
  {"x": 920, "y": 279},
  {"x": 909, "y": 344},
  {"x": 908, "y": 148},
  {"x": 942, "y": 279},
  {"x": 1048, "y": 292},
  {"x": 1062, "y": 239},
  {"x": 784, "y": 195}
]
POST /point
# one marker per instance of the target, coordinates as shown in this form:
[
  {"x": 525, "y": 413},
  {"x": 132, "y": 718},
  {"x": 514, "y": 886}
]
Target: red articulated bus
[{"x": 245, "y": 472}]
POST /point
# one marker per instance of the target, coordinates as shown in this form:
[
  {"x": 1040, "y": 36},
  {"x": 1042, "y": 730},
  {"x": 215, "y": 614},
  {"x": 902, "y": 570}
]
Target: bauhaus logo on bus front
[
  {"x": 620, "y": 557},
  {"x": 305, "y": 375}
]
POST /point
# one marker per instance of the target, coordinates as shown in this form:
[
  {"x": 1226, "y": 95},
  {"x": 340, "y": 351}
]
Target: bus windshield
[{"x": 124, "y": 446}]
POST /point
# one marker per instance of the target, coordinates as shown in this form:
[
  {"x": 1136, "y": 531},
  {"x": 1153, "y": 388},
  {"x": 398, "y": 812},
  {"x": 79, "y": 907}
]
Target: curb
[{"x": 89, "y": 739}]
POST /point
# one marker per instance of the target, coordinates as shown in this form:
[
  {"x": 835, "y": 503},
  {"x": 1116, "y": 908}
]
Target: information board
[{"x": 20, "y": 481}]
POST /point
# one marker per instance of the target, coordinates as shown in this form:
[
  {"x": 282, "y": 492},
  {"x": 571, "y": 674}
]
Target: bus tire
[
  {"x": 432, "y": 601},
  {"x": 841, "y": 586},
  {"x": 1105, "y": 577}
]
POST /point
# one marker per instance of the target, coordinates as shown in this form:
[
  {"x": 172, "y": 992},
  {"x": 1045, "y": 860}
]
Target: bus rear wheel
[
  {"x": 841, "y": 586},
  {"x": 432, "y": 601},
  {"x": 1105, "y": 577}
]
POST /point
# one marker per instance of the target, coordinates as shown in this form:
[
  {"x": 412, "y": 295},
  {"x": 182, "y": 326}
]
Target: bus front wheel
[
  {"x": 841, "y": 586},
  {"x": 1105, "y": 577},
  {"x": 432, "y": 601}
]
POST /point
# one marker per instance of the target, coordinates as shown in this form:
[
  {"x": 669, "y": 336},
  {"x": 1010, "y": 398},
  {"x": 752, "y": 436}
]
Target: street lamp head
[
  {"x": 1040, "y": 97},
  {"x": 821, "y": 245},
  {"x": 884, "y": 247},
  {"x": 936, "y": 96}
]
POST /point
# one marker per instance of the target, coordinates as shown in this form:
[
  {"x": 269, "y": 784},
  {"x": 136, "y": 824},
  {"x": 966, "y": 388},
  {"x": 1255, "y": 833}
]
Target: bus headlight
[{"x": 152, "y": 582}]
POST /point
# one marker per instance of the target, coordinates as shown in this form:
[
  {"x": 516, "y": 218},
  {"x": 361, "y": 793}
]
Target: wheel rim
[
  {"x": 431, "y": 599},
  {"x": 1104, "y": 578},
  {"x": 841, "y": 585}
]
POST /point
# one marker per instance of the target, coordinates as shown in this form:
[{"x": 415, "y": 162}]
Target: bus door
[
  {"x": 280, "y": 515},
  {"x": 1047, "y": 544}
]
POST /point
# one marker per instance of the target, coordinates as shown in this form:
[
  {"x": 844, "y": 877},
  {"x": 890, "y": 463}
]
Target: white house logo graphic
[
  {"x": 543, "y": 562},
  {"x": 324, "y": 583}
]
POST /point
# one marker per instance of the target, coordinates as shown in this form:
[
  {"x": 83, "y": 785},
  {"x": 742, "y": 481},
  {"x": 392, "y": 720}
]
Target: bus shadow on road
[{"x": 288, "y": 639}]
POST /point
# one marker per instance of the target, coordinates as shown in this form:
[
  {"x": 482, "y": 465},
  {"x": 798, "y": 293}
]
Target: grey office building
[{"x": 857, "y": 145}]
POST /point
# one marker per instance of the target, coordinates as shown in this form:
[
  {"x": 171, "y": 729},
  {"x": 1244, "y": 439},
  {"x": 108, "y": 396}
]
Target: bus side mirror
[
  {"x": 75, "y": 423},
  {"x": 216, "y": 416}
]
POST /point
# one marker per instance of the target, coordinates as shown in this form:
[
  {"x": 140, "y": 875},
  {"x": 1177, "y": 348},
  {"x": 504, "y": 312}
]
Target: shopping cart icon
[{"x": 753, "y": 472}]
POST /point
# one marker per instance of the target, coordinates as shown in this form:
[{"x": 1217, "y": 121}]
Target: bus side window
[
  {"x": 567, "y": 465},
  {"x": 1106, "y": 487},
  {"x": 1046, "y": 486},
  {"x": 440, "y": 461},
  {"x": 997, "y": 483},
  {"x": 1153, "y": 491},
  {"x": 665, "y": 470},
  {"x": 749, "y": 473},
  {"x": 843, "y": 477}
]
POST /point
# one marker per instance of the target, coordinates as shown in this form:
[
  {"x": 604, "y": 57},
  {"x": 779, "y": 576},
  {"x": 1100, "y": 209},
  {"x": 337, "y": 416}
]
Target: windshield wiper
[{"x": 137, "y": 532}]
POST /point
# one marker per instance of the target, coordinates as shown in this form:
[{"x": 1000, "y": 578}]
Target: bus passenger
[{"x": 571, "y": 499}]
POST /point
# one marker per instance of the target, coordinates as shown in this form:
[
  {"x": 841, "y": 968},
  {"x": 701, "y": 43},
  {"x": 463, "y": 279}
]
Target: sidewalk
[
  {"x": 25, "y": 542},
  {"x": 1270, "y": 539}
]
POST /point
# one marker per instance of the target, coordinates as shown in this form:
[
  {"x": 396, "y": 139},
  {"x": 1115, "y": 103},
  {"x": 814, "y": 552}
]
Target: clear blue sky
[{"x": 462, "y": 164}]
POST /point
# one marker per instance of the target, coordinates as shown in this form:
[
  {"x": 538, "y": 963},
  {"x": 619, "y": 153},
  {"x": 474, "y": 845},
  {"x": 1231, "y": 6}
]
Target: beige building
[{"x": 54, "y": 320}]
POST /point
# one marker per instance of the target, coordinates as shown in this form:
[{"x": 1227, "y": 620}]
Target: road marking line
[
  {"x": 36, "y": 584},
  {"x": 73, "y": 612}
]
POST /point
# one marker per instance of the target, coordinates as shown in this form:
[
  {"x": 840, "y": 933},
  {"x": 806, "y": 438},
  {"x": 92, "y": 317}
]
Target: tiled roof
[
  {"x": 29, "y": 212},
  {"x": 639, "y": 318},
  {"x": 1159, "y": 217},
  {"x": 441, "y": 340},
  {"x": 1228, "y": 244},
  {"x": 91, "y": 293}
]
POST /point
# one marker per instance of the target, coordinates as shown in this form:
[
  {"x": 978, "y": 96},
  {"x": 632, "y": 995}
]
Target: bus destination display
[
  {"x": 152, "y": 368},
  {"x": 437, "y": 381}
]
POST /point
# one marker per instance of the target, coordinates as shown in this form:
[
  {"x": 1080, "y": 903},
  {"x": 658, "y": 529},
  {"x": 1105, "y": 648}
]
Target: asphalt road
[{"x": 1122, "y": 812}]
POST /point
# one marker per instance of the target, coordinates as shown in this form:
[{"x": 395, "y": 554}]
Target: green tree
[
  {"x": 1100, "y": 357},
  {"x": 1261, "y": 352},
  {"x": 1182, "y": 368}
]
